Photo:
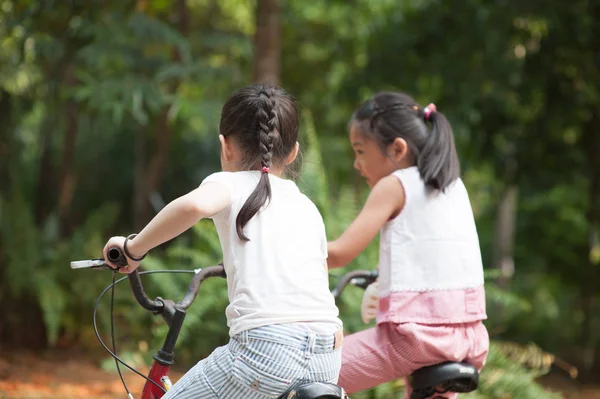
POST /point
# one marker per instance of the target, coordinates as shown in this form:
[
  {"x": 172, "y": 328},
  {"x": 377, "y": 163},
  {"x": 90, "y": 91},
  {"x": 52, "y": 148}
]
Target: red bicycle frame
[
  {"x": 158, "y": 373},
  {"x": 174, "y": 314},
  {"x": 164, "y": 357}
]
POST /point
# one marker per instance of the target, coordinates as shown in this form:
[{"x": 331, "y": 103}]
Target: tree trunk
[
  {"x": 141, "y": 6},
  {"x": 67, "y": 173},
  {"x": 45, "y": 186},
  {"x": 25, "y": 327},
  {"x": 504, "y": 236},
  {"x": 6, "y": 140},
  {"x": 267, "y": 43},
  {"x": 591, "y": 142},
  {"x": 158, "y": 160},
  {"x": 139, "y": 181},
  {"x": 164, "y": 132},
  {"x": 590, "y": 279}
]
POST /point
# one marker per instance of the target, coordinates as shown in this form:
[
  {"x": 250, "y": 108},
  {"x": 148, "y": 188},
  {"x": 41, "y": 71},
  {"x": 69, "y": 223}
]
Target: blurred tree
[
  {"x": 267, "y": 42},
  {"x": 149, "y": 175},
  {"x": 570, "y": 125}
]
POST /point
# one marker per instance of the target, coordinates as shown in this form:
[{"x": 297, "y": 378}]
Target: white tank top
[
  {"x": 280, "y": 275},
  {"x": 432, "y": 245}
]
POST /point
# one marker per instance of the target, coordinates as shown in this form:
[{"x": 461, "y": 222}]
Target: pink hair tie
[
  {"x": 430, "y": 109},
  {"x": 265, "y": 169}
]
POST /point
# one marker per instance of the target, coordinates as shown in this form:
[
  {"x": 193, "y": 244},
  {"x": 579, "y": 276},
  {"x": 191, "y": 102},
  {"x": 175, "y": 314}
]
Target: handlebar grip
[{"x": 116, "y": 256}]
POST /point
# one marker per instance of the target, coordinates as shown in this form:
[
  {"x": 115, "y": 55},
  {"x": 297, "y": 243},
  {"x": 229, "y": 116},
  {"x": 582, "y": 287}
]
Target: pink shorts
[{"x": 391, "y": 351}]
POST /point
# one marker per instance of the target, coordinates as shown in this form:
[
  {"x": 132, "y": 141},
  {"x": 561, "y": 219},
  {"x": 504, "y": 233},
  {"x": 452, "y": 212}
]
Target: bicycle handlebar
[
  {"x": 190, "y": 295},
  {"x": 116, "y": 256},
  {"x": 140, "y": 295},
  {"x": 359, "y": 278}
]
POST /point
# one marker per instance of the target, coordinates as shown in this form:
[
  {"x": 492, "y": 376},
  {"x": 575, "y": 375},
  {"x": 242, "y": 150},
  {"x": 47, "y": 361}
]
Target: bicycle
[{"x": 446, "y": 377}]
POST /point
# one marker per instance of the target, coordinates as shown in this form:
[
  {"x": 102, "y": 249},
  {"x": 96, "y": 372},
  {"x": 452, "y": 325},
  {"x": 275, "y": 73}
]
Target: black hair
[
  {"x": 263, "y": 121},
  {"x": 389, "y": 115}
]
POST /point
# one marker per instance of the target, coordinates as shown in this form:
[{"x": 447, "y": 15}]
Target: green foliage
[
  {"x": 83, "y": 90},
  {"x": 37, "y": 263},
  {"x": 128, "y": 65},
  {"x": 504, "y": 377},
  {"x": 313, "y": 180}
]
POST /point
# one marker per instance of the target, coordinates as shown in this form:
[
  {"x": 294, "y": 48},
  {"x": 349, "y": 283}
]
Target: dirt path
[
  {"x": 73, "y": 377},
  {"x": 570, "y": 389},
  {"x": 27, "y": 375}
]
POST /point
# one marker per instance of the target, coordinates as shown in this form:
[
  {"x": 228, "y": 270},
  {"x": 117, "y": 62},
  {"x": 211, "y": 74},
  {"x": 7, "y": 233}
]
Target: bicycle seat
[
  {"x": 315, "y": 390},
  {"x": 443, "y": 377}
]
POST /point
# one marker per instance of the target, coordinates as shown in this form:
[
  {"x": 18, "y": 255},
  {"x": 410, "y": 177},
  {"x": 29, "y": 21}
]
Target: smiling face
[{"x": 371, "y": 161}]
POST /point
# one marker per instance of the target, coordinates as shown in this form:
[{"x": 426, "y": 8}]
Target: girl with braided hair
[
  {"x": 283, "y": 322},
  {"x": 429, "y": 301}
]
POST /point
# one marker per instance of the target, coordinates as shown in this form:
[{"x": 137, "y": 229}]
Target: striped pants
[
  {"x": 261, "y": 363},
  {"x": 391, "y": 351}
]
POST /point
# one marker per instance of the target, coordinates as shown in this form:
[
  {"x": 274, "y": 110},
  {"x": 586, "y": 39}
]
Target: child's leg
[
  {"x": 471, "y": 344},
  {"x": 261, "y": 363},
  {"x": 205, "y": 378},
  {"x": 391, "y": 351},
  {"x": 372, "y": 357},
  {"x": 479, "y": 344}
]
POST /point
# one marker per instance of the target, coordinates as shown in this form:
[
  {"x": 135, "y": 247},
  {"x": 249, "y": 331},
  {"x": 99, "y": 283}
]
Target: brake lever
[
  {"x": 364, "y": 281},
  {"x": 114, "y": 254},
  {"x": 97, "y": 264},
  {"x": 360, "y": 282}
]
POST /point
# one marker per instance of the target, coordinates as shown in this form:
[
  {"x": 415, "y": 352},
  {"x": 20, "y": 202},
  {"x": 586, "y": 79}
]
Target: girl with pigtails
[
  {"x": 429, "y": 300},
  {"x": 283, "y": 323}
]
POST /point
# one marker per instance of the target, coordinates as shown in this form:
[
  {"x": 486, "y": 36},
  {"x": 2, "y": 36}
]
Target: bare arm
[
  {"x": 175, "y": 218},
  {"x": 179, "y": 215},
  {"x": 385, "y": 200}
]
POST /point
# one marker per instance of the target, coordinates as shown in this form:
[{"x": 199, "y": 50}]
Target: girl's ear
[
  {"x": 292, "y": 157},
  {"x": 226, "y": 148},
  {"x": 399, "y": 150}
]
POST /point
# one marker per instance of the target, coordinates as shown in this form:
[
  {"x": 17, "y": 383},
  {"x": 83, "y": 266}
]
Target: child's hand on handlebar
[
  {"x": 370, "y": 302},
  {"x": 118, "y": 242}
]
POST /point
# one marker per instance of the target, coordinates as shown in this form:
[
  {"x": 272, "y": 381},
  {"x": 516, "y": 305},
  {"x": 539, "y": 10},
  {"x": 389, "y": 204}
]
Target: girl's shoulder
[
  {"x": 234, "y": 179},
  {"x": 409, "y": 175},
  {"x": 225, "y": 178}
]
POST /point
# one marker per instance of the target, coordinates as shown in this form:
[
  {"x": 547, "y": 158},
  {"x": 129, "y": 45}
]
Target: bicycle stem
[{"x": 165, "y": 355}]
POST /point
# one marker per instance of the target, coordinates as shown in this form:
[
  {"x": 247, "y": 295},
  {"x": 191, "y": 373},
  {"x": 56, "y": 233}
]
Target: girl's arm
[
  {"x": 385, "y": 201},
  {"x": 175, "y": 218}
]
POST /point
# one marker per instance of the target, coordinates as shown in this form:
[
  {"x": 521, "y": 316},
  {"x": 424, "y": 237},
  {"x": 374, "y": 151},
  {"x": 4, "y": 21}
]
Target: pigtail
[
  {"x": 438, "y": 161},
  {"x": 267, "y": 121}
]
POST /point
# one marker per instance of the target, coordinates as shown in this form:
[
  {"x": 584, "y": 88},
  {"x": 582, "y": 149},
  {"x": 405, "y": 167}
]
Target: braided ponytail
[
  {"x": 267, "y": 121},
  {"x": 263, "y": 122}
]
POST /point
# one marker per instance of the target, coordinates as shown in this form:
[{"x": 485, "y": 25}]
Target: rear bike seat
[
  {"x": 315, "y": 390},
  {"x": 443, "y": 377}
]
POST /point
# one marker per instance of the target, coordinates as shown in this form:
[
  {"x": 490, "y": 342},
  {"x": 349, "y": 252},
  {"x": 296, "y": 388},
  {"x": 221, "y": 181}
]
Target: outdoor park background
[{"x": 109, "y": 109}]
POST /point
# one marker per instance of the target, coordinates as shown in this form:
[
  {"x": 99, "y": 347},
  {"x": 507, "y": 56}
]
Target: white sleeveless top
[
  {"x": 429, "y": 260},
  {"x": 280, "y": 275}
]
